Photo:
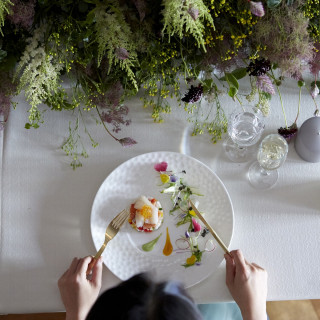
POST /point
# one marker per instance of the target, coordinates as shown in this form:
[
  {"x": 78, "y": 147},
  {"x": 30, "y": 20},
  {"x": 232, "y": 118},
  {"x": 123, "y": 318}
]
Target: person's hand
[
  {"x": 78, "y": 293},
  {"x": 247, "y": 283}
]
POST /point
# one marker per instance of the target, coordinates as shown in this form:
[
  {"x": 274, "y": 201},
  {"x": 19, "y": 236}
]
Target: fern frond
[
  {"x": 4, "y": 9},
  {"x": 113, "y": 33},
  {"x": 38, "y": 75},
  {"x": 180, "y": 18}
]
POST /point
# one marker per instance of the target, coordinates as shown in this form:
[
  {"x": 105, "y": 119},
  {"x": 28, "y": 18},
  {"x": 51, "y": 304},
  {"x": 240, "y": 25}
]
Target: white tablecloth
[{"x": 45, "y": 213}]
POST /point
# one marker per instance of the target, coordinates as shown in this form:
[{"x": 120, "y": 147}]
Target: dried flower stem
[
  {"x": 295, "y": 121},
  {"x": 280, "y": 97},
  {"x": 283, "y": 111},
  {"x": 115, "y": 138},
  {"x": 314, "y": 100},
  {"x": 186, "y": 70}
]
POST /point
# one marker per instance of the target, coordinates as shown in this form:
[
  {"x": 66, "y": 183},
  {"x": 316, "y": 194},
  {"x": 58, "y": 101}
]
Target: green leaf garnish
[{"x": 150, "y": 245}]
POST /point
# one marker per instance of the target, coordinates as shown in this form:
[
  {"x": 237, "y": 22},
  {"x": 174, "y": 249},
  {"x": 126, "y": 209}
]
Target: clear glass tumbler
[{"x": 245, "y": 126}]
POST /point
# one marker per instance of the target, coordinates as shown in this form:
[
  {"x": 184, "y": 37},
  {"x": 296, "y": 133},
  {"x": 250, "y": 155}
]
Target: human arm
[
  {"x": 78, "y": 293},
  {"x": 247, "y": 283}
]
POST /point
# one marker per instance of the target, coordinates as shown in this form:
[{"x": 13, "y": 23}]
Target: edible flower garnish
[
  {"x": 191, "y": 261},
  {"x": 196, "y": 225},
  {"x": 192, "y": 213},
  {"x": 173, "y": 178},
  {"x": 190, "y": 243},
  {"x": 180, "y": 193},
  {"x": 161, "y": 167},
  {"x": 164, "y": 178}
]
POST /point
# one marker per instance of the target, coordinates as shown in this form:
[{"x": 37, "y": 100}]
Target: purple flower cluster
[
  {"x": 22, "y": 13},
  {"x": 113, "y": 112},
  {"x": 259, "y": 67},
  {"x": 288, "y": 133},
  {"x": 315, "y": 62},
  {"x": 115, "y": 116},
  {"x": 257, "y": 8},
  {"x": 114, "y": 94},
  {"x": 285, "y": 37},
  {"x": 194, "y": 94},
  {"x": 264, "y": 83}
]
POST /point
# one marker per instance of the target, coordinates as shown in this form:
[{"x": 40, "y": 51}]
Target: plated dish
[
  {"x": 146, "y": 214},
  {"x": 124, "y": 255}
]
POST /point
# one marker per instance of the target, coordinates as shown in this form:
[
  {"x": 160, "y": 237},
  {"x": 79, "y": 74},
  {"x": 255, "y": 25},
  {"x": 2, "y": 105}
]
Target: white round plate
[{"x": 137, "y": 176}]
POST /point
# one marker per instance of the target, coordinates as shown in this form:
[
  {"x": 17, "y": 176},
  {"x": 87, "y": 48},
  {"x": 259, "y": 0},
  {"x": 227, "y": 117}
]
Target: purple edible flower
[
  {"x": 187, "y": 234},
  {"x": 182, "y": 215},
  {"x": 173, "y": 178}
]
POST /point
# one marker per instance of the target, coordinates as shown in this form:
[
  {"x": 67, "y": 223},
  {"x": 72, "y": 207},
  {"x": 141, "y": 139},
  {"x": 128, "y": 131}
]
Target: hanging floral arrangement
[{"x": 109, "y": 50}]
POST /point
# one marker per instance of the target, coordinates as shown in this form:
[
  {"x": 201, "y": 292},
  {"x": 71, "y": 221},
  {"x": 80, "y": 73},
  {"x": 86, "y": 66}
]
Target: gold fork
[{"x": 111, "y": 231}]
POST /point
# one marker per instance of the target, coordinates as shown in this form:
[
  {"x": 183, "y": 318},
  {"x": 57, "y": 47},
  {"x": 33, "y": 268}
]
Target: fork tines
[{"x": 118, "y": 221}]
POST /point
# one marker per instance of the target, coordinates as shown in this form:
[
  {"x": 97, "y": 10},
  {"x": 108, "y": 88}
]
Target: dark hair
[{"x": 139, "y": 298}]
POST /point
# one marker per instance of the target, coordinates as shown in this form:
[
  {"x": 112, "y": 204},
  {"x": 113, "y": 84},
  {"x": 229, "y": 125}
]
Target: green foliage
[
  {"x": 233, "y": 84},
  {"x": 3, "y": 54},
  {"x": 4, "y": 10},
  {"x": 273, "y": 3},
  {"x": 38, "y": 75},
  {"x": 108, "y": 50},
  {"x": 189, "y": 17},
  {"x": 284, "y": 35},
  {"x": 73, "y": 146},
  {"x": 311, "y": 10},
  {"x": 210, "y": 119},
  {"x": 112, "y": 34}
]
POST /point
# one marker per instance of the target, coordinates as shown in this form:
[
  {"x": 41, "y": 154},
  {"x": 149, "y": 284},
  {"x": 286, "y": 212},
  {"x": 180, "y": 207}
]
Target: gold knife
[{"x": 215, "y": 235}]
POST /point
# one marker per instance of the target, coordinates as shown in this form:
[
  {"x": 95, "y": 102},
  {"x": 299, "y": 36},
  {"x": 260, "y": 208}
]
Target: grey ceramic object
[{"x": 307, "y": 143}]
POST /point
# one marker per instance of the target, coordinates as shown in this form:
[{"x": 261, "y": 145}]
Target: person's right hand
[{"x": 247, "y": 283}]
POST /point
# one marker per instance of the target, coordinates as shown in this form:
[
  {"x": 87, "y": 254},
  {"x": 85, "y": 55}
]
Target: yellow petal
[
  {"x": 164, "y": 178},
  {"x": 192, "y": 213},
  {"x": 191, "y": 260}
]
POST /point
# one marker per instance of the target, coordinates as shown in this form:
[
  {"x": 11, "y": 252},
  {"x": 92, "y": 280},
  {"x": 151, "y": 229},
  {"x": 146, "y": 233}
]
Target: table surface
[{"x": 46, "y": 206}]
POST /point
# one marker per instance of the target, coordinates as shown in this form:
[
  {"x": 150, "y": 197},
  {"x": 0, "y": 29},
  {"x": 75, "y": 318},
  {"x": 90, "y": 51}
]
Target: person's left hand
[{"x": 78, "y": 293}]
